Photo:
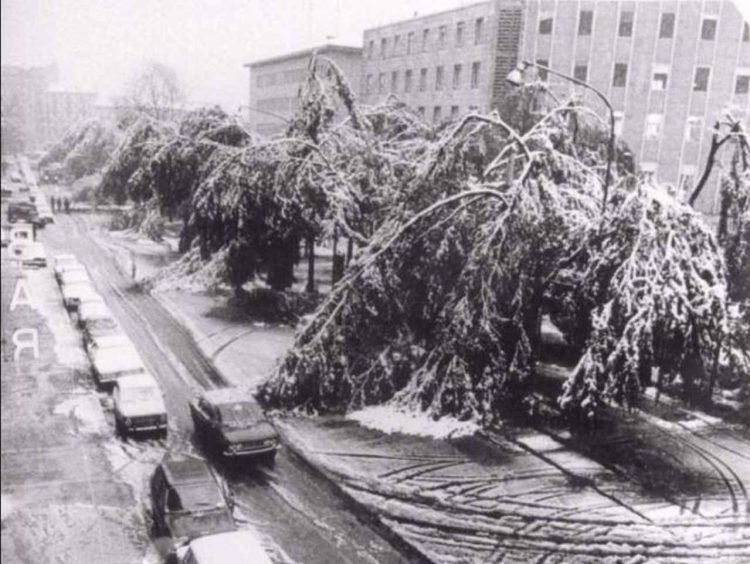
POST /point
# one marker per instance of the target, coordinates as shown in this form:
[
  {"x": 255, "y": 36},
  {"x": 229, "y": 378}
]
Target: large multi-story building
[
  {"x": 275, "y": 84},
  {"x": 23, "y": 105},
  {"x": 670, "y": 68},
  {"x": 34, "y": 113}
]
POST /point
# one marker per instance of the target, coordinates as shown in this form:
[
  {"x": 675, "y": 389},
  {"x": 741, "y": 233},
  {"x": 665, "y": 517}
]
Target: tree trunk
[
  {"x": 310, "y": 265},
  {"x": 349, "y": 250}
]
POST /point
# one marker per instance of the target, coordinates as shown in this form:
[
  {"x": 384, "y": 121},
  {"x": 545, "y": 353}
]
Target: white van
[{"x": 234, "y": 547}]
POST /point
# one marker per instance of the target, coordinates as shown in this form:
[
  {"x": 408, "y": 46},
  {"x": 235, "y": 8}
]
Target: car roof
[
  {"x": 187, "y": 471},
  {"x": 222, "y": 396},
  {"x": 234, "y": 547},
  {"x": 137, "y": 381}
]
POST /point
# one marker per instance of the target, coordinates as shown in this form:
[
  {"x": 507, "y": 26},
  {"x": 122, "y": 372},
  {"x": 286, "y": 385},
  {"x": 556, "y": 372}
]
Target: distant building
[
  {"x": 275, "y": 84},
  {"x": 34, "y": 113},
  {"x": 64, "y": 109},
  {"x": 22, "y": 91}
]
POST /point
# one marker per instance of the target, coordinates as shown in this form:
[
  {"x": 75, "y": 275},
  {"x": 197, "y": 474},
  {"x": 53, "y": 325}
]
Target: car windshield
[
  {"x": 141, "y": 394},
  {"x": 239, "y": 414}
]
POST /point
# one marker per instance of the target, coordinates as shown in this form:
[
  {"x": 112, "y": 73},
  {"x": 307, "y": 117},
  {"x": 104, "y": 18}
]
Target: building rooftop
[
  {"x": 418, "y": 17},
  {"x": 327, "y": 48}
]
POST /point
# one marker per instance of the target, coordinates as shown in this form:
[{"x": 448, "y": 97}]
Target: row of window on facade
[
  {"x": 394, "y": 47},
  {"x": 284, "y": 77},
  {"x": 659, "y": 77},
  {"x": 439, "y": 84},
  {"x": 437, "y": 113},
  {"x": 667, "y": 22}
]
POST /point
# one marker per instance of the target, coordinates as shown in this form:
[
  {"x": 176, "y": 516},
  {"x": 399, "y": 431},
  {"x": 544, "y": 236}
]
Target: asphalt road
[{"x": 300, "y": 515}]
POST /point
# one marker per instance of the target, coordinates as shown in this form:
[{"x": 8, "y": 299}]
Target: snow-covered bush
[{"x": 84, "y": 150}]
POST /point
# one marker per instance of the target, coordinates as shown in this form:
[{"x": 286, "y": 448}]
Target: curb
[{"x": 296, "y": 447}]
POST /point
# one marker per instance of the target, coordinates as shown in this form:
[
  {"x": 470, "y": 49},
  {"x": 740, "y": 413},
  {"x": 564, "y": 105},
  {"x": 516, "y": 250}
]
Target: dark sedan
[{"x": 230, "y": 421}]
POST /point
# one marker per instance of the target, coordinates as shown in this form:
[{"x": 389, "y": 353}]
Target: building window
[
  {"x": 545, "y": 25},
  {"x": 580, "y": 72},
  {"x": 659, "y": 77},
  {"x": 409, "y": 42},
  {"x": 687, "y": 178},
  {"x": 437, "y": 116},
  {"x": 460, "y": 34},
  {"x": 370, "y": 49},
  {"x": 479, "y": 27},
  {"x": 742, "y": 84},
  {"x": 653, "y": 125},
  {"x": 746, "y": 32},
  {"x": 420, "y": 111},
  {"x": 648, "y": 169},
  {"x": 693, "y": 127},
  {"x": 439, "y": 78},
  {"x": 454, "y": 113},
  {"x": 708, "y": 29},
  {"x": 619, "y": 123},
  {"x": 475, "y": 74},
  {"x": 457, "y": 76},
  {"x": 368, "y": 84},
  {"x": 425, "y": 39},
  {"x": 542, "y": 73},
  {"x": 381, "y": 82},
  {"x": 701, "y": 79},
  {"x": 626, "y": 24},
  {"x": 620, "y": 76},
  {"x": 585, "y": 22},
  {"x": 396, "y": 40},
  {"x": 383, "y": 47},
  {"x": 394, "y": 81},
  {"x": 422, "y": 80},
  {"x": 407, "y": 81},
  {"x": 666, "y": 27},
  {"x": 442, "y": 35}
]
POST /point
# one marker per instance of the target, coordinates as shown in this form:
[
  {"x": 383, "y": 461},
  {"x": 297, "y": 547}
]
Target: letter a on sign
[{"x": 21, "y": 295}]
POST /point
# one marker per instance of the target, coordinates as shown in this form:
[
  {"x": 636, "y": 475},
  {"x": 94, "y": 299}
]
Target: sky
[{"x": 98, "y": 44}]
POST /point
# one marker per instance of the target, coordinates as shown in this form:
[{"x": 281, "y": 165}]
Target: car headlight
[{"x": 127, "y": 421}]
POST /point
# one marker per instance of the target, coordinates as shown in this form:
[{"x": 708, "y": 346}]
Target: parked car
[
  {"x": 74, "y": 276},
  {"x": 5, "y": 237},
  {"x": 76, "y": 294},
  {"x": 233, "y": 547},
  {"x": 231, "y": 421},
  {"x": 97, "y": 329},
  {"x": 20, "y": 210},
  {"x": 92, "y": 312},
  {"x": 110, "y": 363},
  {"x": 34, "y": 255},
  {"x": 139, "y": 405},
  {"x": 113, "y": 339},
  {"x": 64, "y": 263},
  {"x": 188, "y": 500}
]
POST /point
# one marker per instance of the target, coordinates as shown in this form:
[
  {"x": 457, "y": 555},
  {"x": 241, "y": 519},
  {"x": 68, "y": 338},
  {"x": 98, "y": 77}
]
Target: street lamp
[{"x": 515, "y": 77}]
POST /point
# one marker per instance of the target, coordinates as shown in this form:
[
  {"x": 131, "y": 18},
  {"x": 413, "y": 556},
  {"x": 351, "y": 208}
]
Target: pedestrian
[
  {"x": 52, "y": 203},
  {"x": 67, "y": 205}
]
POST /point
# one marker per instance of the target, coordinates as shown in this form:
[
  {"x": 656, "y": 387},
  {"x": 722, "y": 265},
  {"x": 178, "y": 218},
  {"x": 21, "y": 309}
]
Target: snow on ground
[
  {"x": 46, "y": 300},
  {"x": 133, "y": 464},
  {"x": 87, "y": 412},
  {"x": 390, "y": 419}
]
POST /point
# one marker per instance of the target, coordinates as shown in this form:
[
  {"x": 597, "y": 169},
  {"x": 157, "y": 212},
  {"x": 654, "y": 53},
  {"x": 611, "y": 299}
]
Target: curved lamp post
[{"x": 515, "y": 77}]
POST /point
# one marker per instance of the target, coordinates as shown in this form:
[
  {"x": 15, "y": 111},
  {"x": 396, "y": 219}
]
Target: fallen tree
[{"x": 441, "y": 313}]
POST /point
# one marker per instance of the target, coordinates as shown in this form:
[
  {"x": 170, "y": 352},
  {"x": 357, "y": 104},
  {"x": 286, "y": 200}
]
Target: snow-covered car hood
[
  {"x": 153, "y": 406},
  {"x": 261, "y": 431},
  {"x": 116, "y": 359}
]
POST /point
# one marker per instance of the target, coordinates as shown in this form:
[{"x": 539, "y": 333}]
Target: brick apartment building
[{"x": 275, "y": 84}]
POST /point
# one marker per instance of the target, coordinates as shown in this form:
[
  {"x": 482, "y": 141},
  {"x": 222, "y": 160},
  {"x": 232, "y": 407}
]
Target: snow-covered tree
[
  {"x": 442, "y": 311},
  {"x": 84, "y": 149}
]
